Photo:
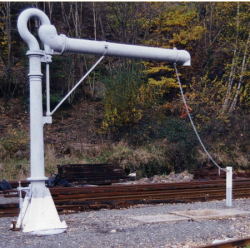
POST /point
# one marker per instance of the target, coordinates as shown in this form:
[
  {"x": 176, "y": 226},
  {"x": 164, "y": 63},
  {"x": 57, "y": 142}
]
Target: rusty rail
[
  {"x": 68, "y": 199},
  {"x": 229, "y": 244}
]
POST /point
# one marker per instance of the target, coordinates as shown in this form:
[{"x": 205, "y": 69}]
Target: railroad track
[
  {"x": 229, "y": 244},
  {"x": 76, "y": 199}
]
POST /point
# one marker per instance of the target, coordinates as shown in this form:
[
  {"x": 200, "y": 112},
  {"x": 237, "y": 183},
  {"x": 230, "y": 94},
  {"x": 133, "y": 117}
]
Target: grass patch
[
  {"x": 146, "y": 161},
  {"x": 13, "y": 170}
]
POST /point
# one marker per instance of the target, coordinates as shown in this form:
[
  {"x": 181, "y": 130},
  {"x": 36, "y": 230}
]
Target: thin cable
[{"x": 190, "y": 118}]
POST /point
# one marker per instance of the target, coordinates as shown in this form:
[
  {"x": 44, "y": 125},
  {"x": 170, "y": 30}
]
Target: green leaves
[{"x": 121, "y": 98}]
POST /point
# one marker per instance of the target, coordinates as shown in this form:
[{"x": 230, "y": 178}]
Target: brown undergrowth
[{"x": 172, "y": 150}]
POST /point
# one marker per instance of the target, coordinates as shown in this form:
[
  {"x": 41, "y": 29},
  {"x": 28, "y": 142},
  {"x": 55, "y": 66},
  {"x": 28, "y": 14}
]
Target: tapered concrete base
[{"x": 38, "y": 214}]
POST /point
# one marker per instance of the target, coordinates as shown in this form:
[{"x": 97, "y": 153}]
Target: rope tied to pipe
[{"x": 191, "y": 120}]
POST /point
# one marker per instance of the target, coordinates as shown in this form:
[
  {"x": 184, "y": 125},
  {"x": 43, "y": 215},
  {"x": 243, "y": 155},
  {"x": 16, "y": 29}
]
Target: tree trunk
[
  {"x": 233, "y": 66},
  {"x": 243, "y": 68},
  {"x": 94, "y": 19}
]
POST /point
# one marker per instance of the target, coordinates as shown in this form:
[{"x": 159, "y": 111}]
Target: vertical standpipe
[
  {"x": 38, "y": 213},
  {"x": 36, "y": 117}
]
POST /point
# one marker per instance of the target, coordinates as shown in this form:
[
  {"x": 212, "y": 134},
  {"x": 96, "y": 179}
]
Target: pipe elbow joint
[
  {"x": 51, "y": 40},
  {"x": 183, "y": 57},
  {"x": 186, "y": 59},
  {"x": 23, "y": 27}
]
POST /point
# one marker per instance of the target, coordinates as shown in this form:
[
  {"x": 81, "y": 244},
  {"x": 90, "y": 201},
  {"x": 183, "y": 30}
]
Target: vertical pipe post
[
  {"x": 38, "y": 214},
  {"x": 229, "y": 186},
  {"x": 36, "y": 118}
]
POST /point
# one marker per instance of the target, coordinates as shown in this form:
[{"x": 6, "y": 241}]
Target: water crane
[{"x": 38, "y": 213}]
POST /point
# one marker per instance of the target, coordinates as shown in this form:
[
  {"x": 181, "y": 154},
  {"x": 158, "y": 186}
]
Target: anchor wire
[{"x": 191, "y": 120}]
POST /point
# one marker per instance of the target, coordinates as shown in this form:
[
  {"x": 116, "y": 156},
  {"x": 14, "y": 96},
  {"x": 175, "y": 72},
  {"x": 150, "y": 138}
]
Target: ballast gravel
[{"x": 115, "y": 229}]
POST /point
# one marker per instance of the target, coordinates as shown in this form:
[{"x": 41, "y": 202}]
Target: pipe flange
[
  {"x": 35, "y": 53},
  {"x": 177, "y": 55},
  {"x": 64, "y": 44}
]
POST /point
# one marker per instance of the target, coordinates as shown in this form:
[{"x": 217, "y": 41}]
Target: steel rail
[
  {"x": 15, "y": 184},
  {"x": 60, "y": 191},
  {"x": 77, "y": 192},
  {"x": 229, "y": 244},
  {"x": 85, "y": 198},
  {"x": 8, "y": 210}
]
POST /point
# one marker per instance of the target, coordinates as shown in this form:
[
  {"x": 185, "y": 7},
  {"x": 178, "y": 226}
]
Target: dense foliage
[{"x": 141, "y": 99}]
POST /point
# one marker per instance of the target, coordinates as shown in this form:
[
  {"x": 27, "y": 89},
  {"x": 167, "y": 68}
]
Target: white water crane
[{"x": 38, "y": 214}]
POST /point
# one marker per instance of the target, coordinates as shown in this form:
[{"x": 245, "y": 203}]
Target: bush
[
  {"x": 146, "y": 161},
  {"x": 178, "y": 141},
  {"x": 121, "y": 99}
]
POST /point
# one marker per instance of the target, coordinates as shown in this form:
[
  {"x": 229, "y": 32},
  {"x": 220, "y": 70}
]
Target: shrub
[{"x": 145, "y": 160}]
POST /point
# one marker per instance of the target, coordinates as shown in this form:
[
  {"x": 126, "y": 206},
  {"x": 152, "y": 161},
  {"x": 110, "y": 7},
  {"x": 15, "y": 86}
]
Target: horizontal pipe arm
[{"x": 49, "y": 36}]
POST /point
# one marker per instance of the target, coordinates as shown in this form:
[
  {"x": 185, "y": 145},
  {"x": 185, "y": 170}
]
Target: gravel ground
[{"x": 114, "y": 229}]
